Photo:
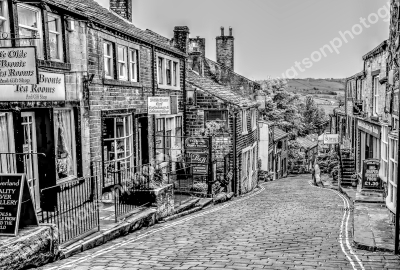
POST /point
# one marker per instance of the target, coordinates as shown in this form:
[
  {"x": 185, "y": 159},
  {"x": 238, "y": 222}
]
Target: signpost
[
  {"x": 16, "y": 205},
  {"x": 331, "y": 139},
  {"x": 18, "y": 66},
  {"x": 159, "y": 105},
  {"x": 370, "y": 174}
]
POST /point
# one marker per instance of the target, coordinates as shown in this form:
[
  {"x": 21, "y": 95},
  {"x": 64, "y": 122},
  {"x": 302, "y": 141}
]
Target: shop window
[
  {"x": 108, "y": 60},
  {"x": 179, "y": 132},
  {"x": 29, "y": 19},
  {"x": 118, "y": 140},
  {"x": 4, "y": 22},
  {"x": 55, "y": 37},
  {"x": 64, "y": 144},
  {"x": 122, "y": 63},
  {"x": 133, "y": 65},
  {"x": 7, "y": 162}
]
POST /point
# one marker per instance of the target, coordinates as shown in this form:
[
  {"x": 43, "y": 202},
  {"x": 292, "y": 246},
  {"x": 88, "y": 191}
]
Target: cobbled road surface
[{"x": 288, "y": 224}]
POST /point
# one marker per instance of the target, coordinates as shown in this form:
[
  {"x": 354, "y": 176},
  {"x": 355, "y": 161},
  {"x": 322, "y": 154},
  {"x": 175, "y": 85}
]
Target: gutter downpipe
[
  {"x": 235, "y": 169},
  {"x": 153, "y": 93}
]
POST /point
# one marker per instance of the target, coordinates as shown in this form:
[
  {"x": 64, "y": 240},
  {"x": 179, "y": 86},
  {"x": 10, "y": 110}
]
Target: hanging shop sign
[
  {"x": 159, "y": 105},
  {"x": 370, "y": 179},
  {"x": 16, "y": 205},
  {"x": 51, "y": 87},
  {"x": 368, "y": 128},
  {"x": 197, "y": 143},
  {"x": 331, "y": 138},
  {"x": 18, "y": 66}
]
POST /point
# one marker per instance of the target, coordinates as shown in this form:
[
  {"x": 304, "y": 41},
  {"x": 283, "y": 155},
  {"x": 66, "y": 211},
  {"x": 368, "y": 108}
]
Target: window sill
[
  {"x": 121, "y": 83},
  {"x": 53, "y": 64},
  {"x": 169, "y": 87}
]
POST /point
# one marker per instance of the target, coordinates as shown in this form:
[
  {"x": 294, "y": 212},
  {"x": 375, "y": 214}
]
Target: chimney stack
[
  {"x": 225, "y": 49},
  {"x": 123, "y": 8},
  {"x": 181, "y": 38}
]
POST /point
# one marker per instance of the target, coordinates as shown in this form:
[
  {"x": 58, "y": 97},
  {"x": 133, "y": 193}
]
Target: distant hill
[
  {"x": 316, "y": 86},
  {"x": 327, "y": 92}
]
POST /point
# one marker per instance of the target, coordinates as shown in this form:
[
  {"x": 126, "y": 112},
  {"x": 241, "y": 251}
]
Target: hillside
[{"x": 326, "y": 92}]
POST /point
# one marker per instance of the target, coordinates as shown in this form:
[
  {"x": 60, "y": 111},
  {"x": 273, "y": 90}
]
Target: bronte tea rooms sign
[
  {"x": 51, "y": 87},
  {"x": 18, "y": 66}
]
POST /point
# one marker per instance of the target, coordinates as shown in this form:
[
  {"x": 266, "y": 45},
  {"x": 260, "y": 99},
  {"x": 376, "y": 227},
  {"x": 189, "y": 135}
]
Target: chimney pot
[
  {"x": 222, "y": 31},
  {"x": 230, "y": 31}
]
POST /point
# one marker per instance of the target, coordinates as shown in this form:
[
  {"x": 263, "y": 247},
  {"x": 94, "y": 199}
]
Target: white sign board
[
  {"x": 51, "y": 87},
  {"x": 18, "y": 66},
  {"x": 159, "y": 105},
  {"x": 331, "y": 138}
]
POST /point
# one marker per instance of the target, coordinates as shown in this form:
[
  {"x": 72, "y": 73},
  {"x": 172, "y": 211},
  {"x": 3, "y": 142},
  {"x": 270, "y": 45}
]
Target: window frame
[
  {"x": 392, "y": 176},
  {"x": 39, "y": 16},
  {"x": 162, "y": 76},
  {"x": 59, "y": 36},
  {"x": 122, "y": 62},
  {"x": 133, "y": 72},
  {"x": 244, "y": 122},
  {"x": 375, "y": 102},
  {"x": 6, "y": 20},
  {"x": 111, "y": 57}
]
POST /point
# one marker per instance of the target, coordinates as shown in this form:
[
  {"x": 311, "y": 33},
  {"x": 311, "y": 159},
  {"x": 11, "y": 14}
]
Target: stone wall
[{"x": 33, "y": 247}]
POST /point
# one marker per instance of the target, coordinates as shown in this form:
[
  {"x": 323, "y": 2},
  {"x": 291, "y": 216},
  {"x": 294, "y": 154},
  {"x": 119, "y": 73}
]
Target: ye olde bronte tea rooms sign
[{"x": 18, "y": 66}]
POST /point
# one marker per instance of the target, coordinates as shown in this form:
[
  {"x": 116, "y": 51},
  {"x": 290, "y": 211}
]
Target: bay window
[
  {"x": 64, "y": 141},
  {"x": 108, "y": 60},
  {"x": 122, "y": 63},
  {"x": 4, "y": 22},
  {"x": 30, "y": 26},
  {"x": 55, "y": 37},
  {"x": 118, "y": 140},
  {"x": 133, "y": 65}
]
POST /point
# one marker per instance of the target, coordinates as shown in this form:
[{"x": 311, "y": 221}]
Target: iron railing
[{"x": 75, "y": 208}]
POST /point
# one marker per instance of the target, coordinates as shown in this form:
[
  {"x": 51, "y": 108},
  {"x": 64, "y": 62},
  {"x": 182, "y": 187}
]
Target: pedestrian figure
[
  {"x": 317, "y": 173},
  {"x": 313, "y": 174}
]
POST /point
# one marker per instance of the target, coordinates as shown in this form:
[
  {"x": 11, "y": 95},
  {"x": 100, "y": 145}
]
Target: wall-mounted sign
[
  {"x": 159, "y": 105},
  {"x": 197, "y": 143},
  {"x": 18, "y": 66},
  {"x": 331, "y": 138},
  {"x": 198, "y": 157},
  {"x": 369, "y": 128},
  {"x": 370, "y": 179},
  {"x": 51, "y": 87},
  {"x": 16, "y": 205},
  {"x": 358, "y": 107}
]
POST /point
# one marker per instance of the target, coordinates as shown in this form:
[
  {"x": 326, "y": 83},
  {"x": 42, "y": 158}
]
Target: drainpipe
[
  {"x": 235, "y": 174},
  {"x": 153, "y": 93},
  {"x": 397, "y": 217}
]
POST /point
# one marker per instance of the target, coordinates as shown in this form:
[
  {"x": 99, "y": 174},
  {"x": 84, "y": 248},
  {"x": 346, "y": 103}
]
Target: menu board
[
  {"x": 370, "y": 179},
  {"x": 15, "y": 201}
]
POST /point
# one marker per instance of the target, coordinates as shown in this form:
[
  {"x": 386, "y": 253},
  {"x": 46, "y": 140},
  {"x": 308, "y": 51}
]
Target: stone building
[
  {"x": 44, "y": 125},
  {"x": 280, "y": 153},
  {"x": 215, "y": 93}
]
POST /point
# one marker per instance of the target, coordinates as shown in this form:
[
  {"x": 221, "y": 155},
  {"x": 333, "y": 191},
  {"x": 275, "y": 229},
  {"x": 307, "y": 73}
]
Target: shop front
[
  {"x": 38, "y": 131},
  {"x": 369, "y": 142}
]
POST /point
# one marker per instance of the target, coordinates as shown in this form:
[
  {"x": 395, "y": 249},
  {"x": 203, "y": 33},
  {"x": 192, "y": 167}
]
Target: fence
[{"x": 75, "y": 208}]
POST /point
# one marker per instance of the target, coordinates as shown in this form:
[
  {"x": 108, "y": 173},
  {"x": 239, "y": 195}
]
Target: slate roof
[
  {"x": 218, "y": 90},
  {"x": 96, "y": 13},
  {"x": 279, "y": 134},
  {"x": 306, "y": 143},
  {"x": 378, "y": 49}
]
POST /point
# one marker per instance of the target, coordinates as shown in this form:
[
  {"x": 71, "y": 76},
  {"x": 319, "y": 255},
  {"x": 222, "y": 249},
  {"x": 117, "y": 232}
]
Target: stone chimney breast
[{"x": 123, "y": 8}]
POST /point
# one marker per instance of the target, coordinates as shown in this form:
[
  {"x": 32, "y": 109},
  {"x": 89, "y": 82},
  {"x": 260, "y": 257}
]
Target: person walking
[
  {"x": 313, "y": 174},
  {"x": 317, "y": 173}
]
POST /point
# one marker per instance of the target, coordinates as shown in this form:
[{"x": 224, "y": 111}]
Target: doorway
[{"x": 30, "y": 157}]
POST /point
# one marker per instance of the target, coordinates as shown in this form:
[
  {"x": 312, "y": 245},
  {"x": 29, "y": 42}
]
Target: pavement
[{"x": 287, "y": 224}]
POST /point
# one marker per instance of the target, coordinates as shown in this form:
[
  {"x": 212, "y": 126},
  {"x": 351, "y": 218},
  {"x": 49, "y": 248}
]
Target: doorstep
[{"x": 110, "y": 230}]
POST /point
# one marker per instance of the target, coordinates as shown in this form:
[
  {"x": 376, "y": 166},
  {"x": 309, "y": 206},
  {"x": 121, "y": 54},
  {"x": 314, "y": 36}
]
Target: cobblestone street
[{"x": 286, "y": 225}]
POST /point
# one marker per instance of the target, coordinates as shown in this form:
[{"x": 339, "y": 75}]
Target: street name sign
[
  {"x": 18, "y": 66},
  {"x": 16, "y": 204}
]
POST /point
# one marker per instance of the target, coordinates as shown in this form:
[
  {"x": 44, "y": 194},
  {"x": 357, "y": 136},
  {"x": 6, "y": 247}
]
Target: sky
[{"x": 271, "y": 35}]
